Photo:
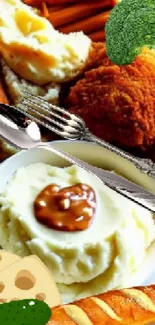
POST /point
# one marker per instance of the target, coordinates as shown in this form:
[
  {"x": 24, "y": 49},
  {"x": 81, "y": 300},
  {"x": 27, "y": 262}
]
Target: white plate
[{"x": 95, "y": 155}]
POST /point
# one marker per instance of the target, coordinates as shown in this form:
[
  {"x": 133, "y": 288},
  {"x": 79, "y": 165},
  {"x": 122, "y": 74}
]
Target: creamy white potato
[
  {"x": 35, "y": 50},
  {"x": 102, "y": 257},
  {"x": 15, "y": 85}
]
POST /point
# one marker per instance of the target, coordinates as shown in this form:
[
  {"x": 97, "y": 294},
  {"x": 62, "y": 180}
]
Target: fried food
[
  {"x": 117, "y": 102},
  {"x": 97, "y": 56}
]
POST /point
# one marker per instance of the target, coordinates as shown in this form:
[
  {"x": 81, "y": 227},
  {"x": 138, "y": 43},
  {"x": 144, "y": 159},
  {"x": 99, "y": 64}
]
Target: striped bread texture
[{"x": 135, "y": 306}]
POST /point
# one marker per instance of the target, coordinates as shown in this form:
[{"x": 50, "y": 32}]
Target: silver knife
[
  {"x": 116, "y": 182},
  {"x": 20, "y": 133},
  {"x": 30, "y": 137}
]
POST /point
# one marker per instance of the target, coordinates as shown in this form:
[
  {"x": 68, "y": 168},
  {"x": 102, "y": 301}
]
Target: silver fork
[
  {"x": 72, "y": 127},
  {"x": 25, "y": 134}
]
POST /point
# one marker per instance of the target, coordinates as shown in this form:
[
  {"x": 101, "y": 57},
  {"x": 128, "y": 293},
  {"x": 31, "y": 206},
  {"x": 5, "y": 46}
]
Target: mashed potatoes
[
  {"x": 49, "y": 92},
  {"x": 86, "y": 262},
  {"x": 35, "y": 50}
]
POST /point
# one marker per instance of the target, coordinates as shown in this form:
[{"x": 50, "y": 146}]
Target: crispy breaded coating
[
  {"x": 118, "y": 102},
  {"x": 97, "y": 56}
]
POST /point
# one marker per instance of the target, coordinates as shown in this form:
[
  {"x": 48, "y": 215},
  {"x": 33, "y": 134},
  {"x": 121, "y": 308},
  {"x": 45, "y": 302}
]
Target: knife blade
[{"x": 116, "y": 182}]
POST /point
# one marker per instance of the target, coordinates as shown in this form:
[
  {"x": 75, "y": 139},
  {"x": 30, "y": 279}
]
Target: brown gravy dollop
[{"x": 67, "y": 209}]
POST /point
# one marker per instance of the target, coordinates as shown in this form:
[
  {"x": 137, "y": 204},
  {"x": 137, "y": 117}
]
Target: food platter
[
  {"x": 146, "y": 274},
  {"x": 94, "y": 248}
]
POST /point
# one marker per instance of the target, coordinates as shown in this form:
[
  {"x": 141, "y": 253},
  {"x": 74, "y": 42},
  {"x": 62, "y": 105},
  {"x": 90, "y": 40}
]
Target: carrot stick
[
  {"x": 44, "y": 10},
  {"x": 55, "y": 2},
  {"x": 55, "y": 8},
  {"x": 37, "y": 3},
  {"x": 114, "y": 2},
  {"x": 41, "y": 4},
  {"x": 76, "y": 12},
  {"x": 3, "y": 97},
  {"x": 98, "y": 36},
  {"x": 87, "y": 25}
]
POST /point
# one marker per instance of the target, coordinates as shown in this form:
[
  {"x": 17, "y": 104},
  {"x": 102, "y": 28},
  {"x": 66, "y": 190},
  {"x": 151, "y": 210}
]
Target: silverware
[
  {"x": 28, "y": 136},
  {"x": 18, "y": 130},
  {"x": 16, "y": 117},
  {"x": 72, "y": 127},
  {"x": 116, "y": 182}
]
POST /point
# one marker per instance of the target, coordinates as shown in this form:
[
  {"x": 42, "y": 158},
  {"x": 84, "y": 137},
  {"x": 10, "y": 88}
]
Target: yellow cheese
[
  {"x": 7, "y": 259},
  {"x": 28, "y": 278}
]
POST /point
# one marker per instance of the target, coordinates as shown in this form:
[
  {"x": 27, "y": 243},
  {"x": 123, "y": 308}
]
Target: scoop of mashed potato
[
  {"x": 104, "y": 256},
  {"x": 35, "y": 50},
  {"x": 15, "y": 85}
]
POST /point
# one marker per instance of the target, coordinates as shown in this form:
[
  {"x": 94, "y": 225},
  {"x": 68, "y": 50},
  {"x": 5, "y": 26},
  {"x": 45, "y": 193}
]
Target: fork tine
[
  {"x": 70, "y": 125},
  {"x": 48, "y": 106},
  {"x": 68, "y": 133},
  {"x": 49, "y": 112},
  {"x": 19, "y": 108},
  {"x": 43, "y": 117},
  {"x": 36, "y": 111}
]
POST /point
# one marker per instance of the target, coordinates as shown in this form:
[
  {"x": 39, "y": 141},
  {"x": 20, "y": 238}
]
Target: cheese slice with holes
[
  {"x": 28, "y": 278},
  {"x": 7, "y": 259}
]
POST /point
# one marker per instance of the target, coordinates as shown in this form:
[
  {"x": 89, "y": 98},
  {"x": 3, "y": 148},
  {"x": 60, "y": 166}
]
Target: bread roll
[{"x": 135, "y": 306}]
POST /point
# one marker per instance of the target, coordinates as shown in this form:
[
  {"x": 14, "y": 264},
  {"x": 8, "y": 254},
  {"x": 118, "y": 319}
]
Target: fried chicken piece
[
  {"x": 97, "y": 56},
  {"x": 118, "y": 102}
]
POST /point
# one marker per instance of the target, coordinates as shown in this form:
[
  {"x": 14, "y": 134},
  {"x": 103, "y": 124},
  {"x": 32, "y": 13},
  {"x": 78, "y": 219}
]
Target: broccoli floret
[{"x": 130, "y": 27}]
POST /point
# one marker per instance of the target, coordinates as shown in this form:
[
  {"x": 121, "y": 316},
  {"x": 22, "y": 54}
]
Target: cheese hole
[
  {"x": 0, "y": 257},
  {"x": 3, "y": 300},
  {"x": 2, "y": 286},
  {"x": 41, "y": 296},
  {"x": 25, "y": 280}
]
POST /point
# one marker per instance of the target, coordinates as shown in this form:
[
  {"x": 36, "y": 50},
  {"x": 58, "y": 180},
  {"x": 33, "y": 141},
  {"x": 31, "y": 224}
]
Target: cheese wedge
[
  {"x": 7, "y": 259},
  {"x": 28, "y": 278}
]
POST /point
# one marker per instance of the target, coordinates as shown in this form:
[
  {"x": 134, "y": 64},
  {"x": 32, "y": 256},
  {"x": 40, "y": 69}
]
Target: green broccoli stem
[{"x": 130, "y": 27}]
